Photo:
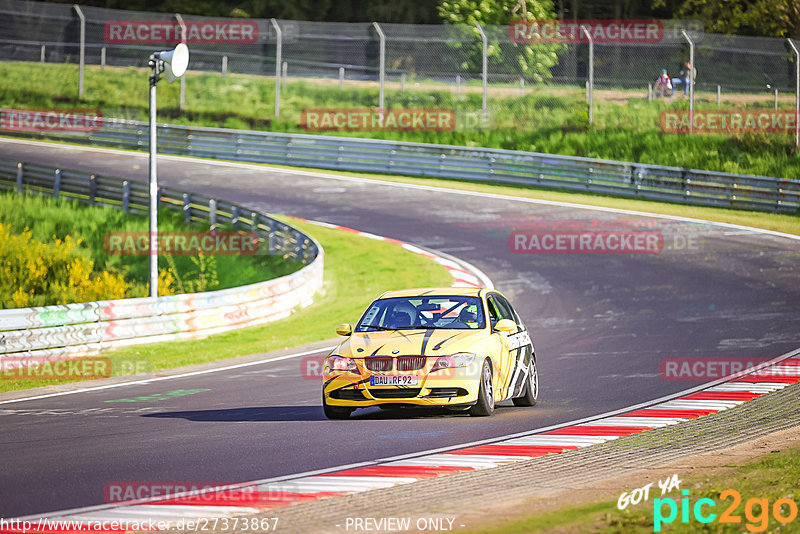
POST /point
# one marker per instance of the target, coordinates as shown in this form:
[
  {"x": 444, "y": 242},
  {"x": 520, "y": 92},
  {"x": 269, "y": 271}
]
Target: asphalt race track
[{"x": 601, "y": 323}]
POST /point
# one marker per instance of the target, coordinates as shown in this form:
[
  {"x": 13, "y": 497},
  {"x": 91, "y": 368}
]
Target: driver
[{"x": 403, "y": 315}]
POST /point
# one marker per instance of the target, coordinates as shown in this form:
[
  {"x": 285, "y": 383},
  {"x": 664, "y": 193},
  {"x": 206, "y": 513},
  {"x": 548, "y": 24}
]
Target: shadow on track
[{"x": 305, "y": 413}]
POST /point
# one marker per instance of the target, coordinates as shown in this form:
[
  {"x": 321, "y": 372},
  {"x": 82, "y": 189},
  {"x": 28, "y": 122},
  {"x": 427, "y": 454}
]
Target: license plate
[{"x": 393, "y": 380}]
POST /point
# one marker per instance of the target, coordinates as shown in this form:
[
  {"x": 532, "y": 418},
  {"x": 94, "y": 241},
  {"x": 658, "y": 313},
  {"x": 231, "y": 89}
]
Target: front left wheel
[
  {"x": 485, "y": 404},
  {"x": 335, "y": 412}
]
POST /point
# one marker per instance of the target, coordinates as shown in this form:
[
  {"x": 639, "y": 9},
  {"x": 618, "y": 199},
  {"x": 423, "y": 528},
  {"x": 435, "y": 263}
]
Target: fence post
[
  {"x": 797, "y": 92},
  {"x": 719, "y": 96},
  {"x": 212, "y": 214},
  {"x": 403, "y": 83},
  {"x": 341, "y": 78},
  {"x": 484, "y": 68},
  {"x": 92, "y": 189},
  {"x": 285, "y": 73},
  {"x": 458, "y": 85},
  {"x": 224, "y": 65},
  {"x": 649, "y": 91},
  {"x": 278, "y": 54},
  {"x": 182, "y": 104},
  {"x": 42, "y": 54},
  {"x": 591, "y": 73},
  {"x": 20, "y": 172},
  {"x": 77, "y": 9},
  {"x": 126, "y": 196},
  {"x": 381, "y": 65},
  {"x": 103, "y": 58},
  {"x": 691, "y": 79},
  {"x": 521, "y": 86},
  {"x": 187, "y": 208}
]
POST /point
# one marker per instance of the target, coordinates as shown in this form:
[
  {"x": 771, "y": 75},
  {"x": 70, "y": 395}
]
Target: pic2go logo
[{"x": 756, "y": 511}]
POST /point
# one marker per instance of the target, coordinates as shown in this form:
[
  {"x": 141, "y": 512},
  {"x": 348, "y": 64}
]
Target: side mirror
[
  {"x": 505, "y": 325},
  {"x": 344, "y": 329}
]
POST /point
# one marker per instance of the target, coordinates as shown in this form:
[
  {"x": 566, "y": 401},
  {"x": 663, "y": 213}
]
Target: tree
[
  {"x": 531, "y": 60},
  {"x": 764, "y": 18}
]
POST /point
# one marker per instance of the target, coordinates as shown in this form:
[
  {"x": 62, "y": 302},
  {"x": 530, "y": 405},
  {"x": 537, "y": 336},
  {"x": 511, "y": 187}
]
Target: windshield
[{"x": 423, "y": 312}]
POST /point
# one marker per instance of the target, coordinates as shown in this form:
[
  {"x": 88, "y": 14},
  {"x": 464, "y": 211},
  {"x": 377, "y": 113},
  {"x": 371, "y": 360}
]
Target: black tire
[
  {"x": 335, "y": 412},
  {"x": 531, "y": 390},
  {"x": 485, "y": 405}
]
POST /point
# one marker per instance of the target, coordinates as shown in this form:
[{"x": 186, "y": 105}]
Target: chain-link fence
[{"x": 488, "y": 76}]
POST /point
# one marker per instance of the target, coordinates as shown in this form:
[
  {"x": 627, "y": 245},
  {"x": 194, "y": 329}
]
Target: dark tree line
[{"x": 774, "y": 18}]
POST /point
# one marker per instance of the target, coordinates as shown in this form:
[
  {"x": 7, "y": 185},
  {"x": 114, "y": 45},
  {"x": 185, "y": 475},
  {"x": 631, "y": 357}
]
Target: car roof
[{"x": 436, "y": 291}]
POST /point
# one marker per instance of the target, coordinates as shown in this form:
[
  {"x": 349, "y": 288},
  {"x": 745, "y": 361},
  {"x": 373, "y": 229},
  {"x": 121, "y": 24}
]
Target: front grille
[
  {"x": 438, "y": 393},
  {"x": 395, "y": 393},
  {"x": 410, "y": 363},
  {"x": 348, "y": 394},
  {"x": 378, "y": 364}
]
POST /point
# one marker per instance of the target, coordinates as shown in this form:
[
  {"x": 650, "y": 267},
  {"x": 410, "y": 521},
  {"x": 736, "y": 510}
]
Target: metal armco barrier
[
  {"x": 64, "y": 331},
  {"x": 674, "y": 184}
]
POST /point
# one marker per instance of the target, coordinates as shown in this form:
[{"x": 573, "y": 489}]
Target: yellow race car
[{"x": 464, "y": 348}]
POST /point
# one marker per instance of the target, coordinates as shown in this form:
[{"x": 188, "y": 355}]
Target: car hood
[{"x": 425, "y": 342}]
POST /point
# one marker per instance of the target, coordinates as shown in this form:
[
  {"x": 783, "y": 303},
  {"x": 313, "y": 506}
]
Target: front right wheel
[{"x": 485, "y": 404}]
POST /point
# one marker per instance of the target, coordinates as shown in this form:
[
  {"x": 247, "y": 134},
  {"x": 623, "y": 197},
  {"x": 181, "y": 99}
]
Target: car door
[
  {"x": 500, "y": 309},
  {"x": 519, "y": 347}
]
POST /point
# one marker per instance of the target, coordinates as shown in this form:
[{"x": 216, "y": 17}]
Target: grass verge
[
  {"x": 760, "y": 483},
  {"x": 550, "y": 119},
  {"x": 357, "y": 270}
]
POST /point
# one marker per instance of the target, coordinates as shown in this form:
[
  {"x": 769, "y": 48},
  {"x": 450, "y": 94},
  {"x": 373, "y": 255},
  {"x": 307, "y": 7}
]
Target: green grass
[
  {"x": 771, "y": 477},
  {"x": 549, "y": 119},
  {"x": 50, "y": 219},
  {"x": 357, "y": 270}
]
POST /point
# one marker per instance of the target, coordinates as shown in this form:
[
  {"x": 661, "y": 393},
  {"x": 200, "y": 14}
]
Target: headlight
[
  {"x": 460, "y": 359},
  {"x": 338, "y": 363}
]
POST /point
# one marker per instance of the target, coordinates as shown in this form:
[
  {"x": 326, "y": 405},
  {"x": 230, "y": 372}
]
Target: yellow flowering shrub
[{"x": 33, "y": 273}]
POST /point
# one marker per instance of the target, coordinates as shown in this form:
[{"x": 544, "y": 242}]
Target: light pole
[{"x": 174, "y": 64}]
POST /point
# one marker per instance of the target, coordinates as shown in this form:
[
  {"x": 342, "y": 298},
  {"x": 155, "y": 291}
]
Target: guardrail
[
  {"x": 673, "y": 184},
  {"x": 76, "y": 329}
]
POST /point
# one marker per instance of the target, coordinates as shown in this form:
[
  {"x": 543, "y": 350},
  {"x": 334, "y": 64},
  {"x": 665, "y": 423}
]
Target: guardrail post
[
  {"x": 57, "y": 183},
  {"x": 253, "y": 221},
  {"x": 41, "y": 58},
  {"x": 212, "y": 214},
  {"x": 797, "y": 92},
  {"x": 381, "y": 65},
  {"x": 126, "y": 196},
  {"x": 691, "y": 79},
  {"x": 590, "y": 82},
  {"x": 341, "y": 78},
  {"x": 77, "y": 9},
  {"x": 272, "y": 236},
  {"x": 92, "y": 189},
  {"x": 187, "y": 208},
  {"x": 484, "y": 69},
  {"x": 235, "y": 217},
  {"x": 298, "y": 250},
  {"x": 278, "y": 54},
  {"x": 20, "y": 172}
]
